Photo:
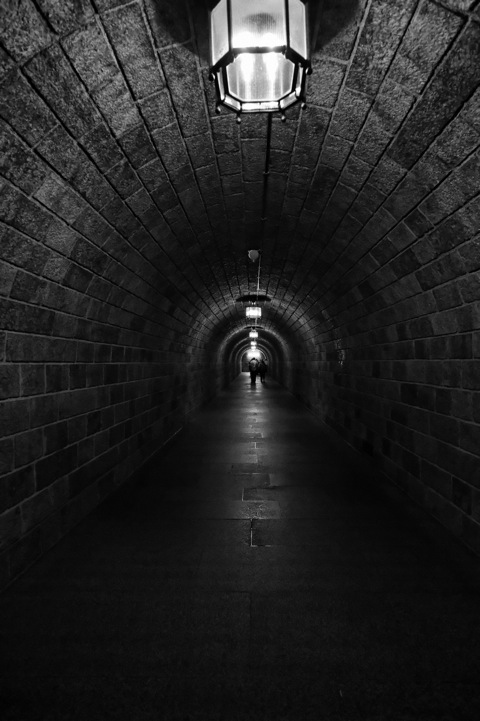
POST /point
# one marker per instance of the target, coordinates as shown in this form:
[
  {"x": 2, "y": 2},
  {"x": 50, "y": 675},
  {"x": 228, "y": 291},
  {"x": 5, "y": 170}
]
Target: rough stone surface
[{"x": 127, "y": 206}]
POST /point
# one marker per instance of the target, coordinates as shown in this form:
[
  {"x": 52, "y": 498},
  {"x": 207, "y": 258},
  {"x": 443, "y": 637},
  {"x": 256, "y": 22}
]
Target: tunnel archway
[{"x": 127, "y": 209}]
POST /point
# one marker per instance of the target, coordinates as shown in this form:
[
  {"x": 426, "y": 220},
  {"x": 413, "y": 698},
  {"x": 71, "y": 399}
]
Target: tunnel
[{"x": 129, "y": 205}]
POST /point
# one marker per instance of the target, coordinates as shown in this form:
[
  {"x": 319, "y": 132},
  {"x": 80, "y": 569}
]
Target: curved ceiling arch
[{"x": 110, "y": 130}]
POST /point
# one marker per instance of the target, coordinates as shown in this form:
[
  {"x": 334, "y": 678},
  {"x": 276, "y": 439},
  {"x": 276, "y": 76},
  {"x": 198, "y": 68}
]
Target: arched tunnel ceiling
[{"x": 109, "y": 122}]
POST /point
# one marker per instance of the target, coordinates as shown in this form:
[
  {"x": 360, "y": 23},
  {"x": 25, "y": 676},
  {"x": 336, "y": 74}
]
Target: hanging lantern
[
  {"x": 259, "y": 54},
  {"x": 253, "y": 334},
  {"x": 253, "y": 311},
  {"x": 253, "y": 343}
]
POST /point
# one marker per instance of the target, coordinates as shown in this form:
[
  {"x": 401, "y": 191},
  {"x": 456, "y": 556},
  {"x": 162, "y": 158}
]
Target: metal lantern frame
[{"x": 224, "y": 53}]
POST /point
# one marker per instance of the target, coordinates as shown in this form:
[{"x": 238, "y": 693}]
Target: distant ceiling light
[
  {"x": 253, "y": 334},
  {"x": 254, "y": 255},
  {"x": 253, "y": 311},
  {"x": 253, "y": 343},
  {"x": 259, "y": 54}
]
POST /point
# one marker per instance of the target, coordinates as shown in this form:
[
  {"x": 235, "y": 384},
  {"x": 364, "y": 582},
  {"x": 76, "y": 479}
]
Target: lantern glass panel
[
  {"x": 219, "y": 31},
  {"x": 253, "y": 334},
  {"x": 253, "y": 312},
  {"x": 298, "y": 27},
  {"x": 260, "y": 77},
  {"x": 258, "y": 25}
]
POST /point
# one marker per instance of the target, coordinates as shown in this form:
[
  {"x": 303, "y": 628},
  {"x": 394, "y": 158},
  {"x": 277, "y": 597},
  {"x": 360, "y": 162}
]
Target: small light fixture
[
  {"x": 253, "y": 311},
  {"x": 253, "y": 343},
  {"x": 253, "y": 334},
  {"x": 254, "y": 255},
  {"x": 259, "y": 54}
]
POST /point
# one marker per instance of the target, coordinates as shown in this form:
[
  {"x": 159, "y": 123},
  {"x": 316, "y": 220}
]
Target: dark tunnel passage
[{"x": 127, "y": 207}]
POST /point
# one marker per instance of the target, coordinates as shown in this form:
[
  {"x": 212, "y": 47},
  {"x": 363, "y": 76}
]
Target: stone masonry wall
[
  {"x": 103, "y": 336},
  {"x": 126, "y": 209}
]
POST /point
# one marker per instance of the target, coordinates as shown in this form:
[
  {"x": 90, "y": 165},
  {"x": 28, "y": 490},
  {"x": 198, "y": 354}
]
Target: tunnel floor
[{"x": 259, "y": 570}]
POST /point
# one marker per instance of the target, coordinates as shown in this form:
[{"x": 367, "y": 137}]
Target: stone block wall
[
  {"x": 94, "y": 375},
  {"x": 103, "y": 336},
  {"x": 126, "y": 210}
]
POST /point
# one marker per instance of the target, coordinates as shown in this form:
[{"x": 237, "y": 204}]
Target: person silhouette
[
  {"x": 253, "y": 368},
  {"x": 262, "y": 370}
]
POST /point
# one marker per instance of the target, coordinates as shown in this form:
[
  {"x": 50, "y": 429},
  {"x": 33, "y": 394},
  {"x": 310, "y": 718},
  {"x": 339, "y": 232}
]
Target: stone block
[
  {"x": 335, "y": 152},
  {"x": 124, "y": 179},
  {"x": 168, "y": 21},
  {"x": 7, "y": 66},
  {"x": 59, "y": 85},
  {"x": 426, "y": 41},
  {"x": 350, "y": 113},
  {"x": 58, "y": 197},
  {"x": 28, "y": 288},
  {"x": 470, "y": 254},
  {"x": 22, "y": 251},
  {"x": 32, "y": 379},
  {"x": 471, "y": 374},
  {"x": 460, "y": 71},
  {"x": 23, "y": 31},
  {"x": 89, "y": 256},
  {"x": 200, "y": 150},
  {"x": 170, "y": 145},
  {"x": 56, "y": 436},
  {"x": 153, "y": 175},
  {"x": 157, "y": 110},
  {"x": 61, "y": 151},
  {"x": 456, "y": 142},
  {"x": 180, "y": 68},
  {"x": 418, "y": 223},
  {"x": 372, "y": 140},
  {"x": 23, "y": 213},
  {"x": 137, "y": 146},
  {"x": 18, "y": 163},
  {"x": 117, "y": 106},
  {"x": 24, "y": 109},
  {"x": 165, "y": 197},
  {"x": 6, "y": 465},
  {"x": 92, "y": 56},
  {"x": 9, "y": 381},
  {"x": 7, "y": 279},
  {"x": 14, "y": 416},
  {"x": 387, "y": 175},
  {"x": 140, "y": 203},
  {"x": 322, "y": 185},
  {"x": 93, "y": 226},
  {"x": 392, "y": 104},
  {"x": 381, "y": 35},
  {"x": 67, "y": 15},
  {"x": 28, "y": 447},
  {"x": 406, "y": 196},
  {"x": 325, "y": 81},
  {"x": 183, "y": 179},
  {"x": 102, "y": 147},
  {"x": 355, "y": 172}
]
